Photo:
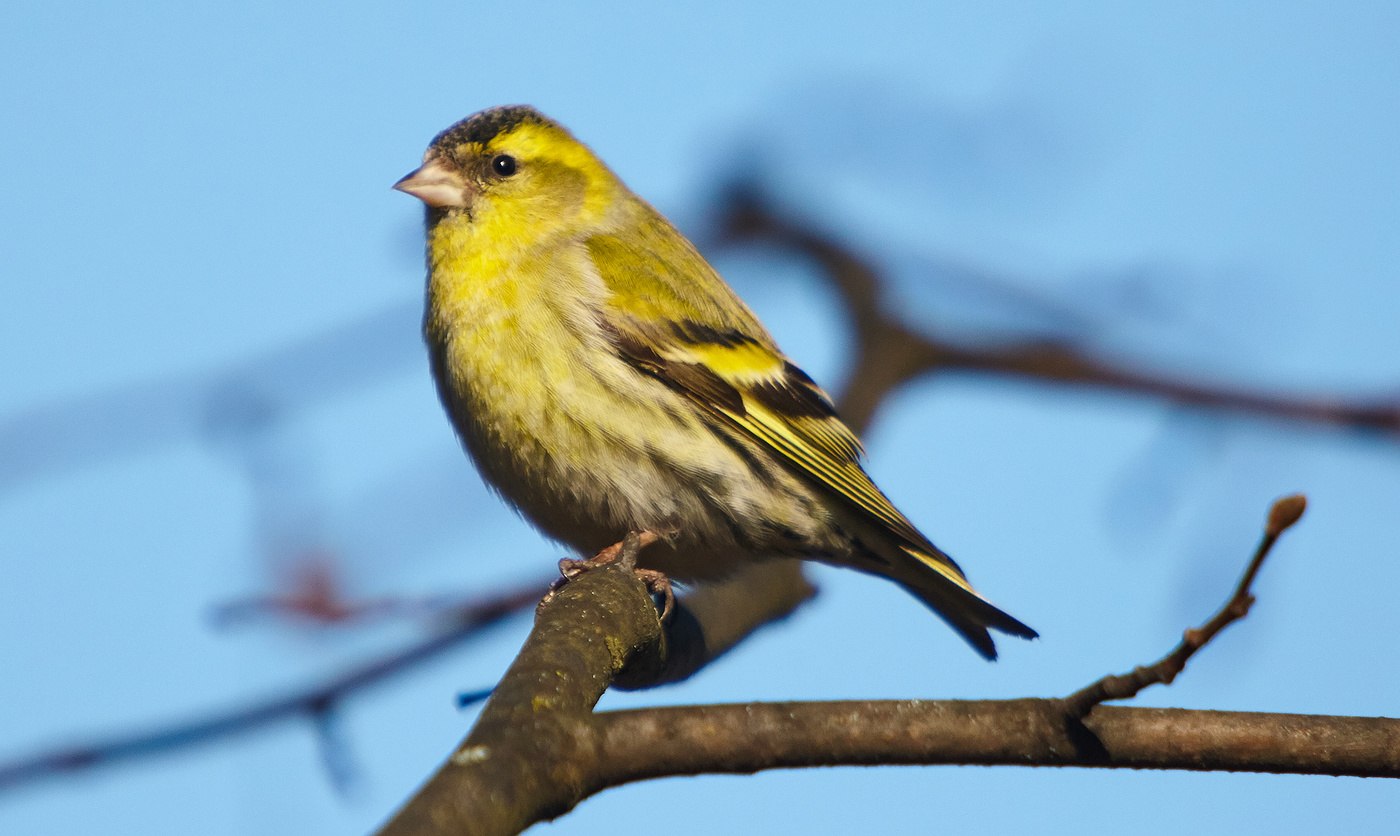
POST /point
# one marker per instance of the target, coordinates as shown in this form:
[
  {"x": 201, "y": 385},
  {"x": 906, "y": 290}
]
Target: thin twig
[{"x": 1282, "y": 515}]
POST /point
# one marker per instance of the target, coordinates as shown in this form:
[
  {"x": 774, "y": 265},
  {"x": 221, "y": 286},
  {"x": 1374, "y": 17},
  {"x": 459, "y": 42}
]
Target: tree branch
[
  {"x": 1284, "y": 513},
  {"x": 533, "y": 753},
  {"x": 692, "y": 740},
  {"x": 528, "y": 757},
  {"x": 538, "y": 748}
]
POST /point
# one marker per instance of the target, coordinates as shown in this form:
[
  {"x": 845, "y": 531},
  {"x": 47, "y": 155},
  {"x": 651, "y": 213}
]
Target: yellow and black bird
[{"x": 606, "y": 380}]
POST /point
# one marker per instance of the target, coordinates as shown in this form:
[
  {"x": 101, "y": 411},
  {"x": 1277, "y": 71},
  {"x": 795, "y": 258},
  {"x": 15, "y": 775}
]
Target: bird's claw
[
  {"x": 658, "y": 584},
  {"x": 623, "y": 552}
]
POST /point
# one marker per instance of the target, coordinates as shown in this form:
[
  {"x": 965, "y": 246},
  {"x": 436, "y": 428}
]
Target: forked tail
[{"x": 937, "y": 581}]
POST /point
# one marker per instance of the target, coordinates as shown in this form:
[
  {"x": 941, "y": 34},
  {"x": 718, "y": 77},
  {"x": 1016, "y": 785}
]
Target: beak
[{"x": 436, "y": 185}]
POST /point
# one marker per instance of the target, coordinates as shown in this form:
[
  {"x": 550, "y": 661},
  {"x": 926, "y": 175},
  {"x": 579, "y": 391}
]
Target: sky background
[{"x": 211, "y": 367}]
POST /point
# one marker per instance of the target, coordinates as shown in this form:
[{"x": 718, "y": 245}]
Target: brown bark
[{"x": 539, "y": 749}]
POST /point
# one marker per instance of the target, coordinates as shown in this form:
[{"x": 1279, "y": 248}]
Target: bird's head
[{"x": 512, "y": 174}]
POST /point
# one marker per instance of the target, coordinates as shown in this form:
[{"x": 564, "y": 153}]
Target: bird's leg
[{"x": 625, "y": 553}]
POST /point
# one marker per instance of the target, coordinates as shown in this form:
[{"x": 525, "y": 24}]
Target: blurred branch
[
  {"x": 705, "y": 624},
  {"x": 891, "y": 354},
  {"x": 135, "y": 418},
  {"x": 316, "y": 703},
  {"x": 538, "y": 749},
  {"x": 314, "y": 594}
]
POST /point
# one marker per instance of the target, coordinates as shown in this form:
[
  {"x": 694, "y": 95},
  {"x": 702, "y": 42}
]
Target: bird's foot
[{"x": 624, "y": 553}]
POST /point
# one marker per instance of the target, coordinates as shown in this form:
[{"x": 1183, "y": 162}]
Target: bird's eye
[{"x": 503, "y": 165}]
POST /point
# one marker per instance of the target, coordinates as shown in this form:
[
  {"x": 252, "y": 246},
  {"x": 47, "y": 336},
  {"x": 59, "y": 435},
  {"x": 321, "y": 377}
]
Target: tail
[{"x": 933, "y": 577}]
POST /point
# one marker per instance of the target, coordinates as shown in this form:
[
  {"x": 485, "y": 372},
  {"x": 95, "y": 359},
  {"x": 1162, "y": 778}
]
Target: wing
[
  {"x": 750, "y": 387},
  {"x": 697, "y": 337}
]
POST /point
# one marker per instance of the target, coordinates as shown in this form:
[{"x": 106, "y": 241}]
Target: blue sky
[{"x": 196, "y": 193}]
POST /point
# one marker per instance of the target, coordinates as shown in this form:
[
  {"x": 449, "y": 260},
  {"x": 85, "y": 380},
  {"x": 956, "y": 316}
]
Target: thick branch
[
  {"x": 656, "y": 742},
  {"x": 529, "y": 756}
]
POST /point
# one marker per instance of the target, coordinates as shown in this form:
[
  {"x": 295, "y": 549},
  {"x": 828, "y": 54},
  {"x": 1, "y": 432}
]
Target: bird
[{"x": 606, "y": 380}]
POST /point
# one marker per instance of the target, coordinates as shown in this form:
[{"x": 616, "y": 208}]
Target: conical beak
[{"x": 436, "y": 185}]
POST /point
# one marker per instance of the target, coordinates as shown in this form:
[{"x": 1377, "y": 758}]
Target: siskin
[{"x": 606, "y": 380}]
